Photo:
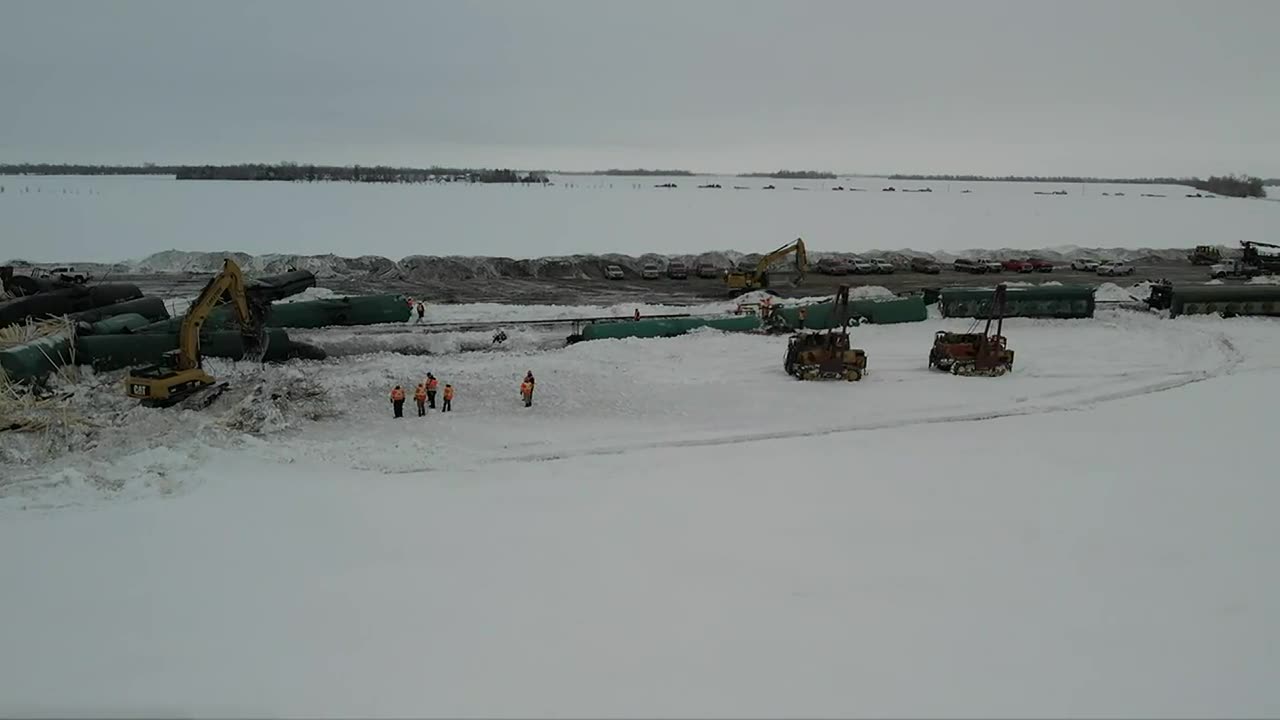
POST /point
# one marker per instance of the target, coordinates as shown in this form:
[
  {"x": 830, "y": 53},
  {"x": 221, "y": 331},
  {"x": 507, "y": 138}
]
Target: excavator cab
[{"x": 180, "y": 374}]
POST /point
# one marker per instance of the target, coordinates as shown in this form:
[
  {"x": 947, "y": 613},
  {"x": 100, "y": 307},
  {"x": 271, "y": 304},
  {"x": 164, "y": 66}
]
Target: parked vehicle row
[{"x": 677, "y": 270}]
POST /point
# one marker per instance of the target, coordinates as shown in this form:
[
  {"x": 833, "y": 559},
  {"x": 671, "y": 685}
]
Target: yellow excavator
[
  {"x": 757, "y": 278},
  {"x": 180, "y": 375}
]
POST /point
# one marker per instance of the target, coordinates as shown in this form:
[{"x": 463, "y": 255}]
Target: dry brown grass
[{"x": 30, "y": 407}]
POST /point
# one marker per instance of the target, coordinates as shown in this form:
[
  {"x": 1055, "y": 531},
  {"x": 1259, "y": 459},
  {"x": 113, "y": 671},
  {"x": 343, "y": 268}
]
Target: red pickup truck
[{"x": 1017, "y": 265}]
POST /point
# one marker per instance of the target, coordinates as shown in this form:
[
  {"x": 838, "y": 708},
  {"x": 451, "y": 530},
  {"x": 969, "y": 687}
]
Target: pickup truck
[
  {"x": 709, "y": 271},
  {"x": 1022, "y": 266},
  {"x": 926, "y": 266},
  {"x": 1114, "y": 269},
  {"x": 969, "y": 266},
  {"x": 650, "y": 272},
  {"x": 66, "y": 273},
  {"x": 863, "y": 266},
  {"x": 676, "y": 270}
]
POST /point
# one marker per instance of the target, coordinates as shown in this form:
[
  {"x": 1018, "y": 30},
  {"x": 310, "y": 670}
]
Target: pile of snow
[
  {"x": 1110, "y": 292},
  {"x": 1265, "y": 280},
  {"x": 313, "y": 293},
  {"x": 428, "y": 269}
]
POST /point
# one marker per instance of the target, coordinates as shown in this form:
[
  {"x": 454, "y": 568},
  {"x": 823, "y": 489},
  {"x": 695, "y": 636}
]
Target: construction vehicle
[
  {"x": 1263, "y": 261},
  {"x": 180, "y": 374},
  {"x": 975, "y": 353},
  {"x": 1205, "y": 255},
  {"x": 826, "y": 355},
  {"x": 757, "y": 278},
  {"x": 1235, "y": 269}
]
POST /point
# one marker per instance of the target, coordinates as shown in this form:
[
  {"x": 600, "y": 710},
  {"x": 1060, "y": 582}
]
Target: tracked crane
[
  {"x": 975, "y": 353},
  {"x": 819, "y": 355}
]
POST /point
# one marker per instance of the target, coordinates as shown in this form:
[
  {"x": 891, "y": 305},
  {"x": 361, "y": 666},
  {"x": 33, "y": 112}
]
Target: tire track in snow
[{"x": 1232, "y": 358}]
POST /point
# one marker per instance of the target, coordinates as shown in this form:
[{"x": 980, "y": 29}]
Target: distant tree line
[
  {"x": 1229, "y": 185},
  {"x": 290, "y": 172},
  {"x": 77, "y": 169},
  {"x": 641, "y": 172},
  {"x": 793, "y": 175}
]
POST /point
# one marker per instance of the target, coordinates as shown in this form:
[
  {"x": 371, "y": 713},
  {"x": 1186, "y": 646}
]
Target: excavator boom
[
  {"x": 181, "y": 375},
  {"x": 758, "y": 277},
  {"x": 230, "y": 283}
]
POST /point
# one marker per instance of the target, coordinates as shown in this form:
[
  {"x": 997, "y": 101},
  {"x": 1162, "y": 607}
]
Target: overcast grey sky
[{"x": 1103, "y": 88}]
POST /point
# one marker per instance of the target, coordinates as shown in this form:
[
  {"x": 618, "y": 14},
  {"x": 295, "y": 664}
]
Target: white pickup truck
[{"x": 66, "y": 273}]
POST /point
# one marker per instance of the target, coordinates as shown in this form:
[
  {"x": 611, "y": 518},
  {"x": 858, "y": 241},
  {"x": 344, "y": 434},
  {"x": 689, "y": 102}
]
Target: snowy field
[
  {"x": 676, "y": 528},
  {"x": 111, "y": 219}
]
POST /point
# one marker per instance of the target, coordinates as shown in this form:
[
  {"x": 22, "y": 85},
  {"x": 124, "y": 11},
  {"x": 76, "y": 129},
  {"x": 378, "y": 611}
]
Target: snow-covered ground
[
  {"x": 676, "y": 528},
  {"x": 112, "y": 219}
]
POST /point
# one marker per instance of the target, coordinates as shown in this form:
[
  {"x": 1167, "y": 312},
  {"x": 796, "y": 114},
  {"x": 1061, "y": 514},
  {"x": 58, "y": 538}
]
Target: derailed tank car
[
  {"x": 1052, "y": 301},
  {"x": 1226, "y": 300}
]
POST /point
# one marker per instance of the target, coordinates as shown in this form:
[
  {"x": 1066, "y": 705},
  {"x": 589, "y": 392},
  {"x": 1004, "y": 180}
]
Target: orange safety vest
[
  {"x": 432, "y": 384},
  {"x": 397, "y": 394},
  {"x": 448, "y": 393},
  {"x": 526, "y": 389},
  {"x": 420, "y": 393}
]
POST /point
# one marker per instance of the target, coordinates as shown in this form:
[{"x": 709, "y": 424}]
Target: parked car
[
  {"x": 969, "y": 266},
  {"x": 708, "y": 270},
  {"x": 833, "y": 266},
  {"x": 1013, "y": 265},
  {"x": 993, "y": 265},
  {"x": 926, "y": 266},
  {"x": 676, "y": 270},
  {"x": 650, "y": 271},
  {"x": 1114, "y": 269},
  {"x": 612, "y": 272},
  {"x": 862, "y": 266},
  {"x": 66, "y": 273},
  {"x": 1085, "y": 264},
  {"x": 884, "y": 267},
  {"x": 1040, "y": 264}
]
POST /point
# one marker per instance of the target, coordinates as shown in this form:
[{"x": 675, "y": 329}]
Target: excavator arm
[
  {"x": 797, "y": 247},
  {"x": 229, "y": 283}
]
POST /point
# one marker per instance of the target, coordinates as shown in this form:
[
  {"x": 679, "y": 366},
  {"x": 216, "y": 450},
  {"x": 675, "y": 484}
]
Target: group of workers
[{"x": 424, "y": 395}]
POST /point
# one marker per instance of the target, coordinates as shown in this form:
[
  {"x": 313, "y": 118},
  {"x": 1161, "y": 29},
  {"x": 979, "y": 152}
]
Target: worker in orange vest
[
  {"x": 448, "y": 398},
  {"x": 420, "y": 397},
  {"x": 432, "y": 384},
  {"x": 397, "y": 401},
  {"x": 526, "y": 390}
]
